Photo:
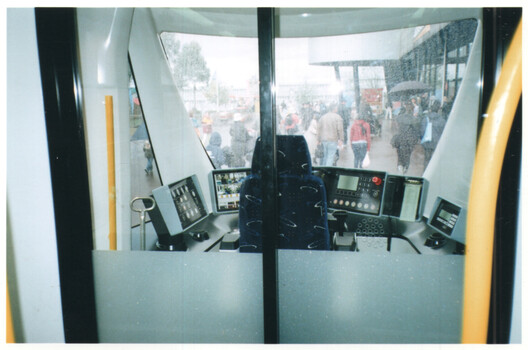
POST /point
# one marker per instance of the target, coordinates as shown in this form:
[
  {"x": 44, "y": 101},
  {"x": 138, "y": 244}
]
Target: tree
[
  {"x": 190, "y": 68},
  {"x": 172, "y": 48},
  {"x": 217, "y": 93}
]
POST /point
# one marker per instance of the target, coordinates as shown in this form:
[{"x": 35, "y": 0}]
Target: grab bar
[{"x": 483, "y": 195}]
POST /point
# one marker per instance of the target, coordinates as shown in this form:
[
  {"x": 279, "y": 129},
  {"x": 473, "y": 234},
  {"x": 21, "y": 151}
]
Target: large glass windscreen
[
  {"x": 377, "y": 100},
  {"x": 217, "y": 78}
]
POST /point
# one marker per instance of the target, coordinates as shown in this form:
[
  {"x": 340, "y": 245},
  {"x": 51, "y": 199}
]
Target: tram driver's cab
[
  {"x": 417, "y": 207},
  {"x": 366, "y": 211},
  {"x": 187, "y": 94}
]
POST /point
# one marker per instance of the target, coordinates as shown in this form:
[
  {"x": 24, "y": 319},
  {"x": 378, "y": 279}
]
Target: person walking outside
[
  {"x": 432, "y": 127},
  {"x": 215, "y": 151},
  {"x": 330, "y": 134},
  {"x": 360, "y": 139},
  {"x": 310, "y": 136},
  {"x": 407, "y": 137},
  {"x": 147, "y": 150},
  {"x": 239, "y": 140},
  {"x": 344, "y": 112}
]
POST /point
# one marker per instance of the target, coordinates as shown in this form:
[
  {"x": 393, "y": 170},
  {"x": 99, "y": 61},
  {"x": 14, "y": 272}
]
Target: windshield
[
  {"x": 393, "y": 91},
  {"x": 218, "y": 80}
]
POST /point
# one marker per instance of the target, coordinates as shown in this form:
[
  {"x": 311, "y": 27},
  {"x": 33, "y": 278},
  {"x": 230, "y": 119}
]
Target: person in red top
[
  {"x": 360, "y": 138},
  {"x": 291, "y": 122}
]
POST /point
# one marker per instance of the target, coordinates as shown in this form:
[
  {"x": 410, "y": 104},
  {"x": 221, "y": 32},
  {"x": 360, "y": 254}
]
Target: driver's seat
[{"x": 302, "y": 200}]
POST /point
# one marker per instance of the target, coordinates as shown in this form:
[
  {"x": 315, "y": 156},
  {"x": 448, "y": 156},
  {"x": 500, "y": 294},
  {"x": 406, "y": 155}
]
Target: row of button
[
  {"x": 353, "y": 204},
  {"x": 359, "y": 193},
  {"x": 451, "y": 223}
]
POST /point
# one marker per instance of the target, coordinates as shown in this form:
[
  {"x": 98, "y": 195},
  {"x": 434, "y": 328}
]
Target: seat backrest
[{"x": 302, "y": 200}]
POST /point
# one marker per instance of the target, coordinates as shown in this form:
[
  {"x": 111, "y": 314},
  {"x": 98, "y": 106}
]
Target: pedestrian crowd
[{"x": 330, "y": 128}]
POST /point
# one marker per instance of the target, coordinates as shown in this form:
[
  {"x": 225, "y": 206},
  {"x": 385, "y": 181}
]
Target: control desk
[{"x": 362, "y": 205}]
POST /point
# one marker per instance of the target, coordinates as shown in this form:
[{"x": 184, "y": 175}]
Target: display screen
[
  {"x": 446, "y": 217},
  {"x": 445, "y": 214},
  {"x": 189, "y": 205},
  {"x": 227, "y": 185},
  {"x": 347, "y": 182}
]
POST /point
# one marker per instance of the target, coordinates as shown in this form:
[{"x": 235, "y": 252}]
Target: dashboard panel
[
  {"x": 353, "y": 190},
  {"x": 376, "y": 193}
]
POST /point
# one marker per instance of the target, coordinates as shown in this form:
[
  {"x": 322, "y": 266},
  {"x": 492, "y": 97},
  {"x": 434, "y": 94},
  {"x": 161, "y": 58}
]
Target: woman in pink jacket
[{"x": 360, "y": 139}]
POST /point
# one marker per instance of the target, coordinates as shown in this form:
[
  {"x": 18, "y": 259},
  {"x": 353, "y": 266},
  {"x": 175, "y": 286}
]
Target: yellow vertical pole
[
  {"x": 112, "y": 237},
  {"x": 483, "y": 195},
  {"x": 10, "y": 332}
]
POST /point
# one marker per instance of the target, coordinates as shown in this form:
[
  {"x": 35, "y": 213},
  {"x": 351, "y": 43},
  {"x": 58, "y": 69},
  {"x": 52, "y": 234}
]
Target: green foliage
[{"x": 190, "y": 67}]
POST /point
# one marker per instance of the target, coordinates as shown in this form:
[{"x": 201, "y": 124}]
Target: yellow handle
[
  {"x": 483, "y": 194},
  {"x": 10, "y": 332},
  {"x": 112, "y": 236}
]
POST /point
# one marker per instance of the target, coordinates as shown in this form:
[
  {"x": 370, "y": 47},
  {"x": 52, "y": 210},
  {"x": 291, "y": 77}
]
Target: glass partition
[
  {"x": 157, "y": 297},
  {"x": 191, "y": 87},
  {"x": 356, "y": 91},
  {"x": 365, "y": 298},
  {"x": 374, "y": 104}
]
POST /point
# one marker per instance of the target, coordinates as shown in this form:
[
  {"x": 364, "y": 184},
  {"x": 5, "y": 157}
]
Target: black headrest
[{"x": 293, "y": 156}]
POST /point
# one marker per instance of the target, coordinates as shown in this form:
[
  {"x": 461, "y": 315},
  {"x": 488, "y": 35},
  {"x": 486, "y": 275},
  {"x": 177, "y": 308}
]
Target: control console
[{"x": 354, "y": 190}]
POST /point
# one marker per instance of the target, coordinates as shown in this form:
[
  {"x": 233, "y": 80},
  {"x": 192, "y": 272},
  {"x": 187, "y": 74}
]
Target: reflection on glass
[
  {"x": 360, "y": 78},
  {"x": 218, "y": 80},
  {"x": 144, "y": 175}
]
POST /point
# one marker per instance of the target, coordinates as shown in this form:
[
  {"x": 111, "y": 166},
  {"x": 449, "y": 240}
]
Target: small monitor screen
[
  {"x": 449, "y": 219},
  {"x": 227, "y": 185},
  {"x": 445, "y": 215},
  {"x": 188, "y": 202},
  {"x": 346, "y": 182}
]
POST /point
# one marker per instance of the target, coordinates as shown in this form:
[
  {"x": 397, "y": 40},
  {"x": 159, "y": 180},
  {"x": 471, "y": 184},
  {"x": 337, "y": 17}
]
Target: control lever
[
  {"x": 141, "y": 212},
  {"x": 340, "y": 241},
  {"x": 340, "y": 216}
]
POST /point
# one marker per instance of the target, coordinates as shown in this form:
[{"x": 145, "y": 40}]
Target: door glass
[
  {"x": 361, "y": 91},
  {"x": 195, "y": 72}
]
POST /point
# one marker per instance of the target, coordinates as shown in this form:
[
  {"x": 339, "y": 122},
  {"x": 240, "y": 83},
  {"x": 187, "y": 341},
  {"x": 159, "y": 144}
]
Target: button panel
[{"x": 357, "y": 191}]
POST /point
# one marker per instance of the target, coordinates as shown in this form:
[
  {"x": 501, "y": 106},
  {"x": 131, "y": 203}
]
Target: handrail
[
  {"x": 112, "y": 236},
  {"x": 483, "y": 194},
  {"x": 10, "y": 331}
]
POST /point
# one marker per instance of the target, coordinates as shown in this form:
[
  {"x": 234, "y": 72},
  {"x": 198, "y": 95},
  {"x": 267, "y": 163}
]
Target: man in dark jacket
[
  {"x": 407, "y": 137},
  {"x": 430, "y": 138},
  {"x": 214, "y": 149},
  {"x": 239, "y": 141}
]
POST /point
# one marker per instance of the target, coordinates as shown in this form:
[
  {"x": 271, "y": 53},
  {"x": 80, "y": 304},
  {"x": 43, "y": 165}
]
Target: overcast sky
[{"x": 235, "y": 60}]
